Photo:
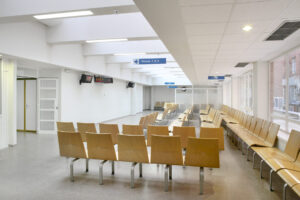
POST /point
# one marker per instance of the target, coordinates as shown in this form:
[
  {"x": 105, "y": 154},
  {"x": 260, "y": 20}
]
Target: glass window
[
  {"x": 245, "y": 92},
  {"x": 285, "y": 90}
]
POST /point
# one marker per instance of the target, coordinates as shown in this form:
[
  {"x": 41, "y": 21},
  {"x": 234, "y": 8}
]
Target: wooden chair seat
[
  {"x": 296, "y": 189},
  {"x": 291, "y": 177}
]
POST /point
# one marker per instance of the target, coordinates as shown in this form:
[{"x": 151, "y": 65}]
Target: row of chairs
[
  {"x": 206, "y": 110},
  {"x": 208, "y": 117},
  {"x": 132, "y": 148},
  {"x": 149, "y": 119},
  {"x": 159, "y": 105},
  {"x": 182, "y": 118},
  {"x": 260, "y": 136},
  {"x": 183, "y": 132},
  {"x": 215, "y": 123}
]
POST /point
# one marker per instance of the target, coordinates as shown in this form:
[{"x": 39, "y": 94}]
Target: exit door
[{"x": 26, "y": 105}]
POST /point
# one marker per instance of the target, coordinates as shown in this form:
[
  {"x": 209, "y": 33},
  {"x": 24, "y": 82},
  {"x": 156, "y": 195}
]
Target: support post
[
  {"x": 166, "y": 178},
  {"x": 132, "y": 174},
  {"x": 201, "y": 180},
  {"x": 72, "y": 169},
  {"x": 101, "y": 172}
]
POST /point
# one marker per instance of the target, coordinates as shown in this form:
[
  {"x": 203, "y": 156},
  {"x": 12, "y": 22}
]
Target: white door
[
  {"x": 47, "y": 105},
  {"x": 31, "y": 105},
  {"x": 20, "y": 105}
]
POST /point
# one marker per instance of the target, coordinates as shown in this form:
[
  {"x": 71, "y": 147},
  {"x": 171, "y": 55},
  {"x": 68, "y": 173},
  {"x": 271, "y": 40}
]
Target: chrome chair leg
[
  {"x": 243, "y": 148},
  {"x": 261, "y": 168},
  {"x": 141, "y": 170},
  {"x": 247, "y": 153},
  {"x": 201, "y": 180},
  {"x": 101, "y": 172},
  {"x": 166, "y": 178},
  {"x": 271, "y": 173},
  {"x": 170, "y": 172},
  {"x": 284, "y": 191},
  {"x": 132, "y": 174},
  {"x": 72, "y": 169},
  {"x": 253, "y": 158},
  {"x": 112, "y": 167},
  {"x": 86, "y": 165}
]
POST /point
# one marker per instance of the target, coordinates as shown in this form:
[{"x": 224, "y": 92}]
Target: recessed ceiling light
[
  {"x": 247, "y": 28},
  {"x": 64, "y": 14},
  {"x": 107, "y": 40},
  {"x": 128, "y": 54}
]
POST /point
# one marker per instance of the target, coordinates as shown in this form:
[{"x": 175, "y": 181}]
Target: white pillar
[{"x": 261, "y": 89}]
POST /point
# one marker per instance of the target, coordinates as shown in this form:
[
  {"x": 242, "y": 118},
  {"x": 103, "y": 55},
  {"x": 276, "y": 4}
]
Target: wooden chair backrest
[
  {"x": 252, "y": 124},
  {"x": 100, "y": 146},
  {"x": 202, "y": 153},
  {"x": 264, "y": 130},
  {"x": 184, "y": 133},
  {"x": 132, "y": 148},
  {"x": 166, "y": 150},
  {"x": 156, "y": 130},
  {"x": 71, "y": 145},
  {"x": 258, "y": 127},
  {"x": 217, "y": 133},
  {"x": 293, "y": 144},
  {"x": 272, "y": 134},
  {"x": 86, "y": 128},
  {"x": 132, "y": 129},
  {"x": 110, "y": 128},
  {"x": 65, "y": 126}
]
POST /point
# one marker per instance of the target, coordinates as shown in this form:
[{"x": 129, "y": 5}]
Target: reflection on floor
[{"x": 33, "y": 170}]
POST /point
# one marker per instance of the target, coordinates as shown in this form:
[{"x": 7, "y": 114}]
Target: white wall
[
  {"x": 97, "y": 102},
  {"x": 162, "y": 93}
]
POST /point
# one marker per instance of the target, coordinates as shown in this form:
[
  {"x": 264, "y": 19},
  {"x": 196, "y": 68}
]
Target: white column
[
  {"x": 261, "y": 90},
  {"x": 9, "y": 119}
]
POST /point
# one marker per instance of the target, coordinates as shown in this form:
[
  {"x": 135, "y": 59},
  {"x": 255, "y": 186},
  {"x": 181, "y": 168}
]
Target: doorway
[
  {"x": 147, "y": 98},
  {"x": 27, "y": 105}
]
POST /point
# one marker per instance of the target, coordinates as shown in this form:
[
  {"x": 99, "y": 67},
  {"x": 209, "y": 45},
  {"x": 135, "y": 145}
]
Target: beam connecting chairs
[
  {"x": 132, "y": 148},
  {"x": 71, "y": 146},
  {"x": 202, "y": 153},
  {"x": 166, "y": 150}
]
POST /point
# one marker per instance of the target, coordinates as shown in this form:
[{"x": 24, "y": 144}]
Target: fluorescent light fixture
[
  {"x": 247, "y": 28},
  {"x": 64, "y": 14},
  {"x": 128, "y": 54},
  {"x": 107, "y": 40}
]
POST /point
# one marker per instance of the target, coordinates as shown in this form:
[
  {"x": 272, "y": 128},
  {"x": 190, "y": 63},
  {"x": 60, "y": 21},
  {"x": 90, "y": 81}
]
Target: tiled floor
[{"x": 34, "y": 170}]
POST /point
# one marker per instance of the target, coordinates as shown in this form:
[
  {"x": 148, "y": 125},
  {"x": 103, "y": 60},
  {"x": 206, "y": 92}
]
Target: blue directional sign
[
  {"x": 148, "y": 61},
  {"x": 216, "y": 77},
  {"x": 169, "y": 83},
  {"x": 172, "y": 86}
]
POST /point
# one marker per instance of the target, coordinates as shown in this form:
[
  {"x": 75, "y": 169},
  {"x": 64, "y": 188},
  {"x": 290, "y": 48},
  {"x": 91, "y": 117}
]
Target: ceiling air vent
[
  {"x": 284, "y": 31},
  {"x": 227, "y": 75},
  {"x": 241, "y": 64}
]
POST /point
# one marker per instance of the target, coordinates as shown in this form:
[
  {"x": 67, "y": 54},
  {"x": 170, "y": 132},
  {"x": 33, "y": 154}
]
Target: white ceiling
[
  {"x": 214, "y": 35},
  {"x": 201, "y": 37}
]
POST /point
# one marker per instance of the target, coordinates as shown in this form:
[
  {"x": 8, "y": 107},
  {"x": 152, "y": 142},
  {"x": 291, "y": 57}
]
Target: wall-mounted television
[
  {"x": 85, "y": 79},
  {"x": 130, "y": 84},
  {"x": 103, "y": 79}
]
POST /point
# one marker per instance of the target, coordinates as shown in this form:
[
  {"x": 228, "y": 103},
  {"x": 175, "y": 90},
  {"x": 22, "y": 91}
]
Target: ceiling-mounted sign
[
  {"x": 169, "y": 83},
  {"x": 148, "y": 61},
  {"x": 172, "y": 86},
  {"x": 216, "y": 77}
]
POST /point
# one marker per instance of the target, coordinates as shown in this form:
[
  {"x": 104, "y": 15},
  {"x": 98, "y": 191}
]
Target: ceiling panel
[
  {"x": 264, "y": 10},
  {"x": 206, "y": 14},
  {"x": 205, "y": 39},
  {"x": 205, "y": 29},
  {"x": 203, "y": 2}
]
